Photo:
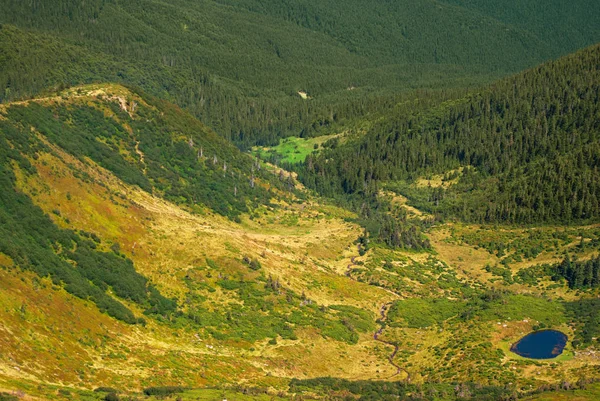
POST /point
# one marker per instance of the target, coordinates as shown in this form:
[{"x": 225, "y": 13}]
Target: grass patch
[
  {"x": 293, "y": 149},
  {"x": 418, "y": 313}
]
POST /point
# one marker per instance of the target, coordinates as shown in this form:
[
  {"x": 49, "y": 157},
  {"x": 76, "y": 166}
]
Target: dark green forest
[
  {"x": 579, "y": 274},
  {"x": 238, "y": 64},
  {"x": 528, "y": 147}
]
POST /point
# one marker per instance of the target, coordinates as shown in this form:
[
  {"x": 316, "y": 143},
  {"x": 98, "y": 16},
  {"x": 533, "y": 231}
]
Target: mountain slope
[
  {"x": 522, "y": 150},
  {"x": 549, "y": 22},
  {"x": 143, "y": 291},
  {"x": 112, "y": 275},
  {"x": 160, "y": 148},
  {"x": 147, "y": 151}
]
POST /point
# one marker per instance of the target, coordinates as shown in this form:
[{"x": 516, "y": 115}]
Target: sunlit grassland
[
  {"x": 193, "y": 257},
  {"x": 448, "y": 329}
]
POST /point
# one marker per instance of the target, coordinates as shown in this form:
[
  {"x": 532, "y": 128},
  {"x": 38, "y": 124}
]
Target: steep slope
[
  {"x": 160, "y": 148},
  {"x": 523, "y": 150},
  {"x": 239, "y": 64}
]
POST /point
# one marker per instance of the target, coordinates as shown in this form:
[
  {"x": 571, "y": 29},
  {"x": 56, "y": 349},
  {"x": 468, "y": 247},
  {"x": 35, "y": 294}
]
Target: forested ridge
[
  {"x": 238, "y": 65},
  {"x": 184, "y": 161},
  {"x": 528, "y": 147},
  {"x": 67, "y": 257}
]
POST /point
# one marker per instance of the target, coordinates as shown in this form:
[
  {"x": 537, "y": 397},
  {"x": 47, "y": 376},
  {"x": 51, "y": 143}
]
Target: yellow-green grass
[
  {"x": 167, "y": 244},
  {"x": 525, "y": 308},
  {"x": 308, "y": 246},
  {"x": 463, "y": 247},
  {"x": 437, "y": 180}
]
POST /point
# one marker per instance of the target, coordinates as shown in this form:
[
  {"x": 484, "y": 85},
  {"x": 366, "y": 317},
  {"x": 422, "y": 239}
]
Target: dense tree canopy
[
  {"x": 238, "y": 64},
  {"x": 528, "y": 147}
]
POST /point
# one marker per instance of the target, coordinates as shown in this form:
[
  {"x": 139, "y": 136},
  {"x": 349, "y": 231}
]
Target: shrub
[
  {"x": 111, "y": 397},
  {"x": 106, "y": 390},
  {"x": 164, "y": 391}
]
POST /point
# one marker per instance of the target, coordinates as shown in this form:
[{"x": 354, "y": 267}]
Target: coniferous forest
[
  {"x": 524, "y": 150},
  {"x": 238, "y": 65}
]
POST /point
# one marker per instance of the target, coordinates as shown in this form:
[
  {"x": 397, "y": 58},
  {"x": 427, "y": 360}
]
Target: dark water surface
[{"x": 545, "y": 344}]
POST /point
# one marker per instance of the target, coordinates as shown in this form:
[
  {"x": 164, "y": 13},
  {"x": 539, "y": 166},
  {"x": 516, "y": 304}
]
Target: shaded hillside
[
  {"x": 523, "y": 150},
  {"x": 550, "y": 22},
  {"x": 238, "y": 65}
]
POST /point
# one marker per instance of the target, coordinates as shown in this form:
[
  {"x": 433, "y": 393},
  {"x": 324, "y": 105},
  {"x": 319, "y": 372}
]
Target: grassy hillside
[
  {"x": 239, "y": 65},
  {"x": 149, "y": 146},
  {"x": 90, "y": 224}
]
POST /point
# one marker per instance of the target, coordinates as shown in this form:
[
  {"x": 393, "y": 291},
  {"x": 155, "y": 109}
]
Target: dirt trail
[{"x": 141, "y": 155}]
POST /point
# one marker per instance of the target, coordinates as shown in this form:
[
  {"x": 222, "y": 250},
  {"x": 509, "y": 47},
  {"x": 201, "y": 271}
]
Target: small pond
[{"x": 544, "y": 344}]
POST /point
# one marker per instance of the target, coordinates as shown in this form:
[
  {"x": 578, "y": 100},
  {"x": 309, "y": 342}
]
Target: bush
[
  {"x": 255, "y": 264},
  {"x": 106, "y": 390},
  {"x": 164, "y": 391},
  {"x": 111, "y": 397},
  {"x": 252, "y": 263}
]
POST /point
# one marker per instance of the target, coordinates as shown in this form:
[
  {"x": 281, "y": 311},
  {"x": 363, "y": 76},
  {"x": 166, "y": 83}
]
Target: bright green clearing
[{"x": 292, "y": 149}]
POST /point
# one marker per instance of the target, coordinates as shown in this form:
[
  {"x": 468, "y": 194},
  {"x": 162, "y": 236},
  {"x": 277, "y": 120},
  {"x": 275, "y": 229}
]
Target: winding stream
[{"x": 383, "y": 313}]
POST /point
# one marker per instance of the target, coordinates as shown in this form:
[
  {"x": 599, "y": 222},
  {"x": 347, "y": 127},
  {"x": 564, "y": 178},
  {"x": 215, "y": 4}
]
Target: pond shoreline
[{"x": 541, "y": 344}]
